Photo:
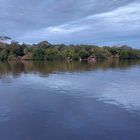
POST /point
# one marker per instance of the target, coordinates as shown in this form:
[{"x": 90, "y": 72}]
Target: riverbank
[{"x": 46, "y": 51}]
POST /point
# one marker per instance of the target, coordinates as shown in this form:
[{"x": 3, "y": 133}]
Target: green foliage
[
  {"x": 11, "y": 56},
  {"x": 101, "y": 53},
  {"x": 46, "y": 51},
  {"x": 84, "y": 54},
  {"x": 4, "y": 54},
  {"x": 17, "y": 49},
  {"x": 51, "y": 53},
  {"x": 38, "y": 54}
]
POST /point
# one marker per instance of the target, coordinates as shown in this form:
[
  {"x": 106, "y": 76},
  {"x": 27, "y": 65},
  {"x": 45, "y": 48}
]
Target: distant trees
[
  {"x": 17, "y": 49},
  {"x": 46, "y": 51},
  {"x": 38, "y": 54},
  {"x": 4, "y": 38},
  {"x": 4, "y": 54}
]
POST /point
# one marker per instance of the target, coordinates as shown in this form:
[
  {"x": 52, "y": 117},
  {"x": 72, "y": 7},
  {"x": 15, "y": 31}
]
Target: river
[{"x": 70, "y": 100}]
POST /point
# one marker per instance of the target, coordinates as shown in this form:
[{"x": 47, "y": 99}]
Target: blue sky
[{"x": 102, "y": 22}]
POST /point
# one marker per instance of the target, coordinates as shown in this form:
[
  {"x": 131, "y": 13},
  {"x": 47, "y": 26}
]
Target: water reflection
[
  {"x": 110, "y": 81},
  {"x": 70, "y": 100},
  {"x": 45, "y": 68}
]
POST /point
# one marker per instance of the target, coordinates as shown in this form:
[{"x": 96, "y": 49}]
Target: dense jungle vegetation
[{"x": 46, "y": 51}]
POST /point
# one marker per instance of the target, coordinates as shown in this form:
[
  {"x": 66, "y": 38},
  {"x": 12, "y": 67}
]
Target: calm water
[{"x": 70, "y": 101}]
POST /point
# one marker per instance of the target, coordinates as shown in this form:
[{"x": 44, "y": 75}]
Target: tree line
[{"x": 46, "y": 51}]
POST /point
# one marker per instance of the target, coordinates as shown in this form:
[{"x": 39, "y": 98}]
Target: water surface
[{"x": 70, "y": 100}]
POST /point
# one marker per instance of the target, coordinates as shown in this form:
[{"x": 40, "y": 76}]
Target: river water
[{"x": 70, "y": 100}]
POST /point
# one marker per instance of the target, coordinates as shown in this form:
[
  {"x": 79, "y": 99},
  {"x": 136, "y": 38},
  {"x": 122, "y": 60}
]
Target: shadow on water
[{"x": 42, "y": 67}]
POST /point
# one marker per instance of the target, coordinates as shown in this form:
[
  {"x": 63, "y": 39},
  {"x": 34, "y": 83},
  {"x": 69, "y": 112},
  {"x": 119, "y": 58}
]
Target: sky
[{"x": 101, "y": 22}]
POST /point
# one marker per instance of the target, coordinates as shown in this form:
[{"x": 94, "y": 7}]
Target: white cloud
[{"x": 120, "y": 23}]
